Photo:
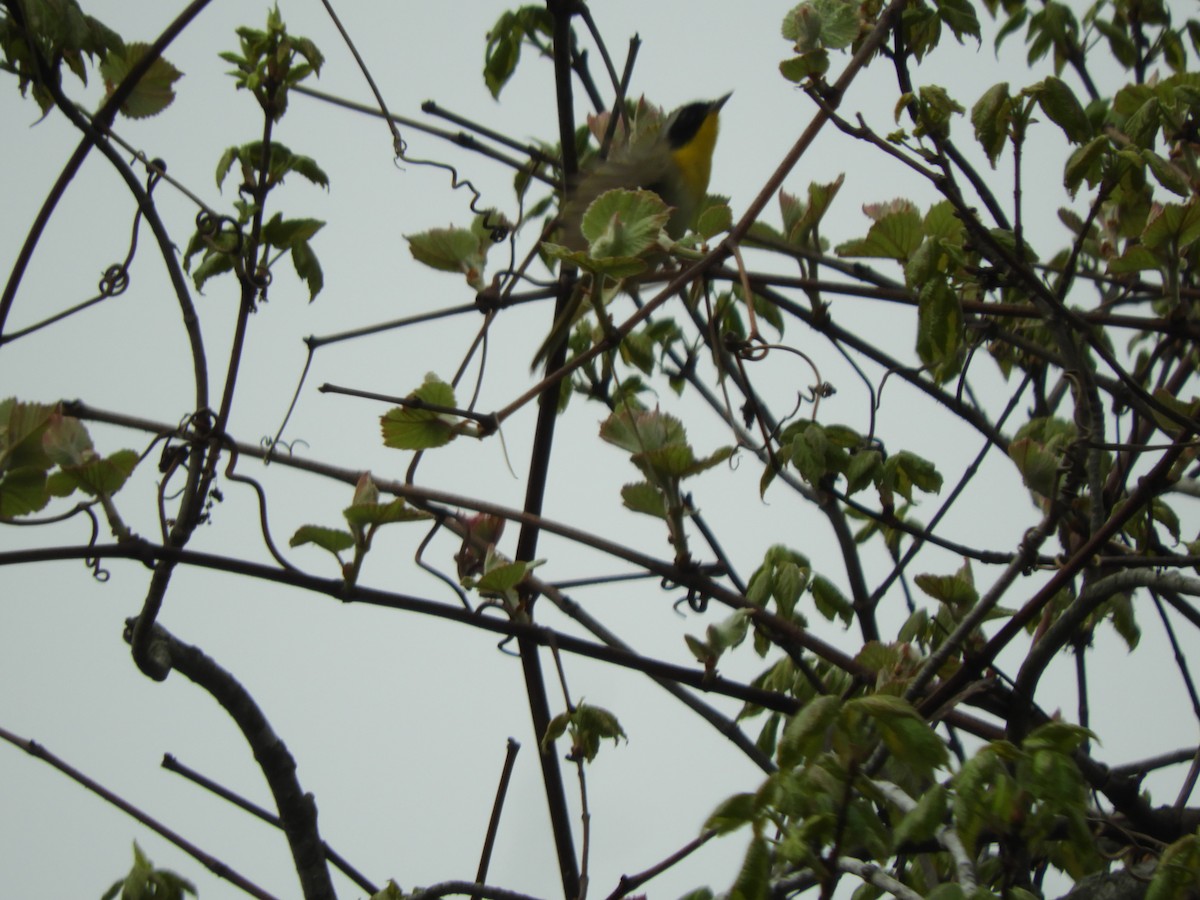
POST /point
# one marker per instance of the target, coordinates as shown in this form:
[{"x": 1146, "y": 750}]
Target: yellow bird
[{"x": 674, "y": 163}]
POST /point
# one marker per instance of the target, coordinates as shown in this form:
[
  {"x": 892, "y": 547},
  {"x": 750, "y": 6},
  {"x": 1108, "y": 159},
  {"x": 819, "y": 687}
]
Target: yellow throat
[{"x": 694, "y": 159}]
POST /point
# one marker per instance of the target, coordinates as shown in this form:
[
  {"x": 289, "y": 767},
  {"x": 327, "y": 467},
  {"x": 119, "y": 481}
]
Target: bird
[{"x": 675, "y": 162}]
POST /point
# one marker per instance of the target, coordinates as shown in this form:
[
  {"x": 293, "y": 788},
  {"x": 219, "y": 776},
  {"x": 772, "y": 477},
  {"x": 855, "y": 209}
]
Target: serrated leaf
[
  {"x": 732, "y": 814},
  {"x": 1085, "y": 164},
  {"x": 332, "y": 539},
  {"x": 863, "y": 469},
  {"x": 939, "y": 327},
  {"x": 787, "y": 585},
  {"x": 830, "y": 602},
  {"x": 960, "y": 18},
  {"x": 640, "y": 430},
  {"x": 411, "y": 428},
  {"x": 1174, "y": 227},
  {"x": 503, "y": 578},
  {"x": 991, "y": 116},
  {"x": 1135, "y": 258},
  {"x": 362, "y": 515},
  {"x": 23, "y": 491},
  {"x": 1059, "y": 103},
  {"x": 645, "y": 498},
  {"x": 895, "y": 235},
  {"x": 1166, "y": 174},
  {"x": 957, "y": 590},
  {"x": 21, "y": 428},
  {"x": 911, "y": 741},
  {"x": 103, "y": 477},
  {"x": 714, "y": 218},
  {"x": 308, "y": 268},
  {"x": 286, "y": 233},
  {"x": 904, "y": 470},
  {"x": 730, "y": 632},
  {"x": 753, "y": 881},
  {"x": 623, "y": 223},
  {"x": 1178, "y": 871},
  {"x": 153, "y": 92},
  {"x": 66, "y": 441},
  {"x": 812, "y": 64},
  {"x": 451, "y": 250}
]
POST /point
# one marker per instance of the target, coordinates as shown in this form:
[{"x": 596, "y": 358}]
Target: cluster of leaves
[
  {"x": 587, "y": 726},
  {"x": 364, "y": 516},
  {"x": 270, "y": 63},
  {"x": 145, "y": 882},
  {"x": 39, "y": 37},
  {"x": 224, "y": 249},
  {"x": 45, "y": 454},
  {"x": 658, "y": 446}
]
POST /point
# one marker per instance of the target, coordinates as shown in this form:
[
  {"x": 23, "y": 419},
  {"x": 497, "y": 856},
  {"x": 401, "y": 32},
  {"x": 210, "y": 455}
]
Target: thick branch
[{"x": 297, "y": 810}]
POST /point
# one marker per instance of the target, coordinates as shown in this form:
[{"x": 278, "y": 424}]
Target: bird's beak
[{"x": 717, "y": 104}]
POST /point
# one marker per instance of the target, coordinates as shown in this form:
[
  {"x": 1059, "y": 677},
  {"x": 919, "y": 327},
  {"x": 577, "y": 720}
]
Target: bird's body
[{"x": 674, "y": 161}]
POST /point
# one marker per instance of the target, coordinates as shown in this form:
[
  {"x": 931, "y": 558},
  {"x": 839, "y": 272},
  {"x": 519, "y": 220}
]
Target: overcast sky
[{"x": 399, "y": 723}]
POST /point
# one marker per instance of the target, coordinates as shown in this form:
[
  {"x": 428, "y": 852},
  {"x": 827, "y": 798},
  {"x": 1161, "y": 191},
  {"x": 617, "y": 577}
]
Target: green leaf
[
  {"x": 363, "y": 515},
  {"x": 800, "y": 218},
  {"x": 623, "y": 223},
  {"x": 531, "y": 24},
  {"x": 391, "y": 891},
  {"x": 412, "y": 428},
  {"x": 1086, "y": 164},
  {"x": 787, "y": 585},
  {"x": 804, "y": 733},
  {"x": 896, "y": 233},
  {"x": 502, "y": 578},
  {"x": 960, "y": 18},
  {"x": 332, "y": 539},
  {"x": 922, "y": 821},
  {"x": 104, "y": 477},
  {"x": 1135, "y": 258},
  {"x": 991, "y": 116},
  {"x": 821, "y": 24},
  {"x": 308, "y": 268},
  {"x": 1059, "y": 103},
  {"x": 145, "y": 882},
  {"x": 956, "y": 591},
  {"x": 1173, "y": 227},
  {"x": 714, "y": 219},
  {"x": 830, "y": 602},
  {"x": 1167, "y": 174},
  {"x": 286, "y": 233},
  {"x": 153, "y": 93},
  {"x": 640, "y": 430},
  {"x": 67, "y": 442},
  {"x": 732, "y": 814},
  {"x": 904, "y": 470},
  {"x": 1178, "y": 872},
  {"x": 645, "y": 498},
  {"x": 753, "y": 881},
  {"x": 939, "y": 327},
  {"x": 911, "y": 741},
  {"x": 588, "y": 725},
  {"x": 730, "y": 632},
  {"x": 23, "y": 490},
  {"x": 451, "y": 250},
  {"x": 864, "y": 468},
  {"x": 813, "y": 64},
  {"x": 22, "y": 426}
]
